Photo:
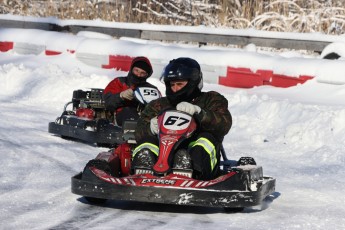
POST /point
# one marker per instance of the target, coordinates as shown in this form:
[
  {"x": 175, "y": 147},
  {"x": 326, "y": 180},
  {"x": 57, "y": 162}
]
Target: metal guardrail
[
  {"x": 167, "y": 35},
  {"x": 241, "y": 40}
]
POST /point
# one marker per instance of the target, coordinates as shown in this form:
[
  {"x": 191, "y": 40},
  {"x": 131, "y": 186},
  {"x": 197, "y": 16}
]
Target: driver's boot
[
  {"x": 143, "y": 161},
  {"x": 182, "y": 163},
  {"x": 182, "y": 160}
]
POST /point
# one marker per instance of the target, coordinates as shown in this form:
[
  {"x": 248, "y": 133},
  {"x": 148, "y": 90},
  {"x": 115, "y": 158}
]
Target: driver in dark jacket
[
  {"x": 183, "y": 81},
  {"x": 118, "y": 95}
]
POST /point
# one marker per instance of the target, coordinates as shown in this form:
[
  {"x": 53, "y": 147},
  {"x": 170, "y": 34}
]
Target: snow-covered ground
[{"x": 297, "y": 134}]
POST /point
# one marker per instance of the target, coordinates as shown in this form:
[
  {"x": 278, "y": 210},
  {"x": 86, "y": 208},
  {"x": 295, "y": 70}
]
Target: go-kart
[
  {"x": 110, "y": 175},
  {"x": 89, "y": 121}
]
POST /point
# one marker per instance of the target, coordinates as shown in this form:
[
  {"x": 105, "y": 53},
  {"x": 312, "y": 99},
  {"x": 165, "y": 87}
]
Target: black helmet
[
  {"x": 183, "y": 69},
  {"x": 143, "y": 63}
]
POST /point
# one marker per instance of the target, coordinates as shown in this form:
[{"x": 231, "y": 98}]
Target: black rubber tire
[
  {"x": 94, "y": 200},
  {"x": 233, "y": 210},
  {"x": 67, "y": 138}
]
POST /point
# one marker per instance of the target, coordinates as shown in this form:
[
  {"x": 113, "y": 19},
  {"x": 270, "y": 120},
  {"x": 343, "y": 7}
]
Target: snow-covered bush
[{"x": 271, "y": 15}]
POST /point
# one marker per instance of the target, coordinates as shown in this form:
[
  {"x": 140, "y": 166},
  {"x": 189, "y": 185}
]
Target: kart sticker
[
  {"x": 146, "y": 94},
  {"x": 176, "y": 120}
]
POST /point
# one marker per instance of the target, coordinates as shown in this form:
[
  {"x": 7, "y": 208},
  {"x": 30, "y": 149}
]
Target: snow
[{"x": 297, "y": 134}]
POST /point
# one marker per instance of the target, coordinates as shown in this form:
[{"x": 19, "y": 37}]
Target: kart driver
[
  {"x": 183, "y": 81},
  {"x": 118, "y": 95}
]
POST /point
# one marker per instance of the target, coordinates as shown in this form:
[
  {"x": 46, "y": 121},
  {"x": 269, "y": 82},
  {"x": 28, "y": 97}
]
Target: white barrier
[
  {"x": 27, "y": 48},
  {"x": 219, "y": 65}
]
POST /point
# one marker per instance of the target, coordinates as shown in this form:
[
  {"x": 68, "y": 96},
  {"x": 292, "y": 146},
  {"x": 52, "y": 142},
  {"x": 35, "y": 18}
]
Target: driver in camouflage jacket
[{"x": 183, "y": 80}]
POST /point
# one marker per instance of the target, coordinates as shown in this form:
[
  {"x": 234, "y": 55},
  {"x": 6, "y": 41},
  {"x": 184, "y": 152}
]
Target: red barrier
[
  {"x": 266, "y": 76},
  {"x": 119, "y": 62},
  {"x": 284, "y": 81},
  {"x": 240, "y": 78},
  {"x": 51, "y": 52},
  {"x": 6, "y": 46},
  {"x": 245, "y": 78}
]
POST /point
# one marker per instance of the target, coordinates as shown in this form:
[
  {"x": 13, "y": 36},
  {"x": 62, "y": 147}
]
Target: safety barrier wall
[{"x": 231, "y": 70}]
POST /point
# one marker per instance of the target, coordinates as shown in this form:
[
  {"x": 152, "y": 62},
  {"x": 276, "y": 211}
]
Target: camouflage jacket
[{"x": 215, "y": 117}]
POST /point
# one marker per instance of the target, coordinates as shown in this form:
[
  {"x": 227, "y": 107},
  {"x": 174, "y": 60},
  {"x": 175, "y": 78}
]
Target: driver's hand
[
  {"x": 154, "y": 125},
  {"x": 127, "y": 94},
  {"x": 188, "y": 108}
]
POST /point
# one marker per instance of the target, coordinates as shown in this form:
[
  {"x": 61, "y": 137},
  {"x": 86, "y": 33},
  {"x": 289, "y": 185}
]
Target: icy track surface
[{"x": 296, "y": 134}]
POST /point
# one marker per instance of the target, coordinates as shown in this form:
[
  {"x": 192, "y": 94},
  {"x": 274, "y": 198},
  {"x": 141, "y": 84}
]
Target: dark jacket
[{"x": 215, "y": 117}]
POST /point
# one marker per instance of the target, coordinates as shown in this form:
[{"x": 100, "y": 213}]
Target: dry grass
[{"x": 272, "y": 15}]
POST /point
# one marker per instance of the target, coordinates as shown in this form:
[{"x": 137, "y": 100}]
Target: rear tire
[
  {"x": 95, "y": 200},
  {"x": 233, "y": 210},
  {"x": 103, "y": 145}
]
